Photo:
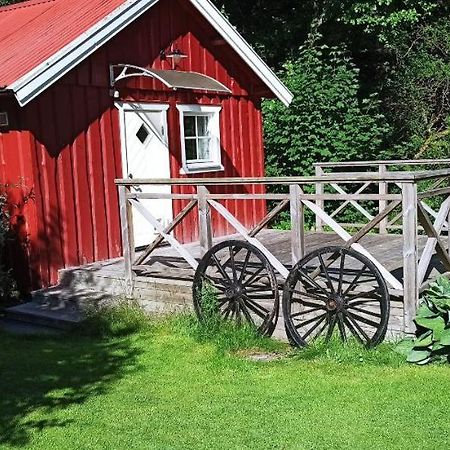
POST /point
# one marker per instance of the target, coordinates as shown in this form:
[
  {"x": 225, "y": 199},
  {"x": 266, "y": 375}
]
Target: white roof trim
[
  {"x": 243, "y": 49},
  {"x": 45, "y": 74}
]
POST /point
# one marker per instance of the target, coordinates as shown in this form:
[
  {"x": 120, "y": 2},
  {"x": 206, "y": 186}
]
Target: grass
[{"x": 173, "y": 385}]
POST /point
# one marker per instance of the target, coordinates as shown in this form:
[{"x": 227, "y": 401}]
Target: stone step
[
  {"x": 58, "y": 307},
  {"x": 63, "y": 317}
]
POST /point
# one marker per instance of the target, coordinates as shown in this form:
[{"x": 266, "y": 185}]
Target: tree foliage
[{"x": 327, "y": 120}]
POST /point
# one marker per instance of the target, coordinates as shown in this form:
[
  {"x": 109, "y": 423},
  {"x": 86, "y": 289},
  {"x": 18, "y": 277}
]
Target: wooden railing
[
  {"x": 400, "y": 197},
  {"x": 387, "y": 225}
]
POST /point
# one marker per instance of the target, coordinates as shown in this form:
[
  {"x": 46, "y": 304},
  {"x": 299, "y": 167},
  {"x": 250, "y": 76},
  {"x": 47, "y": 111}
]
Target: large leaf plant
[{"x": 433, "y": 326}]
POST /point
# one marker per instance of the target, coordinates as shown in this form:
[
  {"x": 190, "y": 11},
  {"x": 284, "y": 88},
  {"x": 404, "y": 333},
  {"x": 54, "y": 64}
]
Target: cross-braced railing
[{"x": 418, "y": 203}]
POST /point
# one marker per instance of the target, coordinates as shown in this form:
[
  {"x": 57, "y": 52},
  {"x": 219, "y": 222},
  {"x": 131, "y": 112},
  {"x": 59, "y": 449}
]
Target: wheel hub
[
  {"x": 234, "y": 291},
  {"x": 335, "y": 303}
]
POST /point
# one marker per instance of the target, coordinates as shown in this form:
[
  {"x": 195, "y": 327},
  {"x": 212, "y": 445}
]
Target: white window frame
[{"x": 215, "y": 164}]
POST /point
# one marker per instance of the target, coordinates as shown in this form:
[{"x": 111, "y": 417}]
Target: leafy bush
[
  {"x": 433, "y": 326},
  {"x": 326, "y": 120}
]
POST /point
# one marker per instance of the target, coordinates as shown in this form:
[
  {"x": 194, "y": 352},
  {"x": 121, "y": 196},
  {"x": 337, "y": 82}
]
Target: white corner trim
[
  {"x": 51, "y": 70},
  {"x": 243, "y": 49}
]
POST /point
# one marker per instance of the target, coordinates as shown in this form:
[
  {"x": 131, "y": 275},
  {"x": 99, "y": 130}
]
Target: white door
[{"x": 146, "y": 155}]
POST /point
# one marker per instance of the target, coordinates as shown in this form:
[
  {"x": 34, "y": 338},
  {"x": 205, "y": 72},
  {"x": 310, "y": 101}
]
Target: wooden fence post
[
  {"x": 448, "y": 233},
  {"x": 383, "y": 190},
  {"x": 319, "y": 203},
  {"x": 126, "y": 219},
  {"x": 297, "y": 223},
  {"x": 204, "y": 220},
  {"x": 410, "y": 256}
]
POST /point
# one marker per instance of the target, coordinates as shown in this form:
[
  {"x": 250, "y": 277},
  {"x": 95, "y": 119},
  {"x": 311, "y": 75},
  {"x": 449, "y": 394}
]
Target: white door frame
[
  {"x": 124, "y": 107},
  {"x": 162, "y": 135}
]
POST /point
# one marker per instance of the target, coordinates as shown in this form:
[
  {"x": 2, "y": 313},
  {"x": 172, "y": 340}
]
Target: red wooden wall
[{"x": 66, "y": 143}]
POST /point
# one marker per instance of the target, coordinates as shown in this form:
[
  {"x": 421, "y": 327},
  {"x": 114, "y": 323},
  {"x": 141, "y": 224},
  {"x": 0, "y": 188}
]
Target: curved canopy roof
[{"x": 173, "y": 79}]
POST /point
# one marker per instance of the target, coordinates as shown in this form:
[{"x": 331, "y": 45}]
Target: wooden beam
[
  {"x": 410, "y": 256},
  {"x": 244, "y": 233},
  {"x": 433, "y": 232},
  {"x": 204, "y": 220},
  {"x": 169, "y": 238},
  {"x": 383, "y": 189},
  {"x": 353, "y": 202},
  {"x": 159, "y": 240},
  {"x": 298, "y": 224},
  {"x": 319, "y": 202},
  {"x": 358, "y": 247},
  {"x": 274, "y": 213},
  {"x": 126, "y": 220}
]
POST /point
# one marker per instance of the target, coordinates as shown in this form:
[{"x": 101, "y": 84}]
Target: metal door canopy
[{"x": 173, "y": 79}]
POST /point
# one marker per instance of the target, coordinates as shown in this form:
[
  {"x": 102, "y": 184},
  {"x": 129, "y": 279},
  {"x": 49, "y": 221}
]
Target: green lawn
[{"x": 163, "y": 388}]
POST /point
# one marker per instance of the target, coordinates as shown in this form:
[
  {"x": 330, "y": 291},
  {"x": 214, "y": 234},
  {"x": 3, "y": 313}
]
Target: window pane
[
  {"x": 191, "y": 149},
  {"x": 189, "y": 126},
  {"x": 204, "y": 146},
  {"x": 203, "y": 125}
]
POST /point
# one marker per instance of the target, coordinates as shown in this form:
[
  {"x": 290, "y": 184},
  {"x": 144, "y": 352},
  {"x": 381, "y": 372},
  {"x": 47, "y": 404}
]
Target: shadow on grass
[{"x": 48, "y": 375}]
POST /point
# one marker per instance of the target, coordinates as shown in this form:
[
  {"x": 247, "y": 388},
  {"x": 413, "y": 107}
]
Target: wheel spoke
[
  {"x": 363, "y": 320},
  {"x": 368, "y": 312},
  {"x": 314, "y": 327},
  {"x": 349, "y": 318},
  {"x": 355, "y": 281},
  {"x": 312, "y": 282},
  {"x": 341, "y": 273},
  {"x": 360, "y": 295},
  {"x": 244, "y": 266},
  {"x": 221, "y": 269},
  {"x": 255, "y": 307},
  {"x": 310, "y": 295},
  {"x": 331, "y": 327},
  {"x": 353, "y": 330},
  {"x": 233, "y": 263},
  {"x": 253, "y": 277},
  {"x": 304, "y": 312},
  {"x": 307, "y": 322},
  {"x": 247, "y": 314},
  {"x": 341, "y": 327},
  {"x": 327, "y": 275},
  {"x": 260, "y": 295},
  {"x": 215, "y": 281},
  {"x": 226, "y": 312}
]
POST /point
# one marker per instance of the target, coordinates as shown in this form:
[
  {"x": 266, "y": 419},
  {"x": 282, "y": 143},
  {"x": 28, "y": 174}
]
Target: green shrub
[
  {"x": 433, "y": 326},
  {"x": 327, "y": 120}
]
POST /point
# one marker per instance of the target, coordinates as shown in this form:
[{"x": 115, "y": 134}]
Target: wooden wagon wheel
[
  {"x": 336, "y": 290},
  {"x": 243, "y": 284}
]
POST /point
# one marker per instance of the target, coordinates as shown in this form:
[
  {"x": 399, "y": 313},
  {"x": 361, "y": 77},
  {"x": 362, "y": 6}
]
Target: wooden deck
[{"x": 164, "y": 284}]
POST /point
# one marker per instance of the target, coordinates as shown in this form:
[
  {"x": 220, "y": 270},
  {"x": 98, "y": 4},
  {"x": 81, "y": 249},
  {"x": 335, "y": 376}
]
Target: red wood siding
[{"x": 69, "y": 139}]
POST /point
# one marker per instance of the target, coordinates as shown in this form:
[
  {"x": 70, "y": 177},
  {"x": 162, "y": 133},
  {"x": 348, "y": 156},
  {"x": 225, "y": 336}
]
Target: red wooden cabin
[{"x": 94, "y": 90}]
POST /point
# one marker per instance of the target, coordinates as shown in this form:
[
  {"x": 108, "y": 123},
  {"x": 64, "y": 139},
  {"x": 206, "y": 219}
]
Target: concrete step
[
  {"x": 58, "y": 307},
  {"x": 62, "y": 317}
]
